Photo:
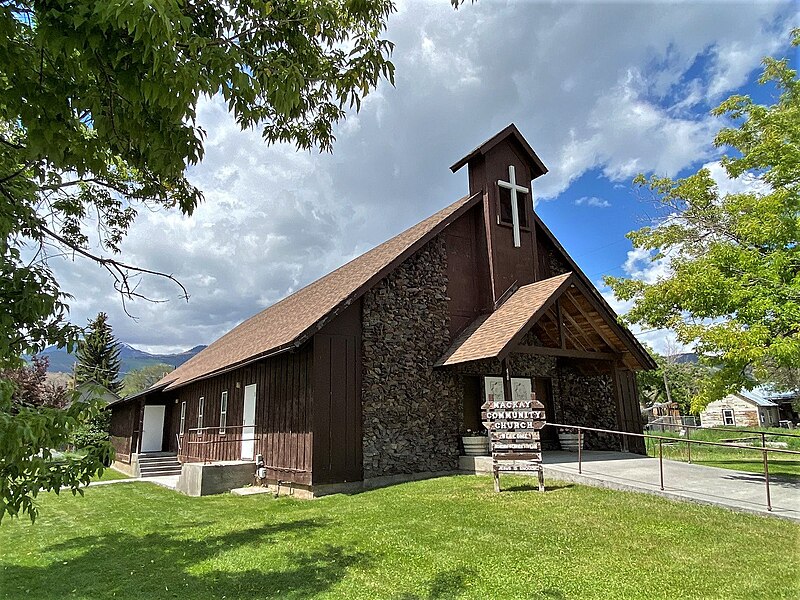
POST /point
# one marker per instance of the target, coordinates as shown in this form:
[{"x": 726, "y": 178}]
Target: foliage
[
  {"x": 733, "y": 283},
  {"x": 98, "y": 355},
  {"x": 31, "y": 388},
  {"x": 434, "y": 539},
  {"x": 93, "y": 432},
  {"x": 685, "y": 381},
  {"x": 140, "y": 379},
  {"x": 29, "y": 463},
  {"x": 98, "y": 106}
]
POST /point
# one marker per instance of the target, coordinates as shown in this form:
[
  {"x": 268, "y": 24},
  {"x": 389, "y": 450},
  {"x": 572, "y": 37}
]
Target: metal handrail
[
  {"x": 742, "y": 430},
  {"x": 763, "y": 449}
]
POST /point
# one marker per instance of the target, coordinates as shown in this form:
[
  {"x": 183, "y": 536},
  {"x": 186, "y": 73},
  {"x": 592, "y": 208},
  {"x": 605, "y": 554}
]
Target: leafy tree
[
  {"x": 733, "y": 286},
  {"x": 140, "y": 379},
  {"x": 33, "y": 425},
  {"x": 98, "y": 355},
  {"x": 31, "y": 388},
  {"x": 672, "y": 381},
  {"x": 98, "y": 103}
]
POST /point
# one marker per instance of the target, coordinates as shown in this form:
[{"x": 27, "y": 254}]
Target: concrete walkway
[
  {"x": 167, "y": 481},
  {"x": 735, "y": 490}
]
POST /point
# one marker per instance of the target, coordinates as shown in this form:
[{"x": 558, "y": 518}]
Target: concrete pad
[
  {"x": 251, "y": 491},
  {"x": 735, "y": 490}
]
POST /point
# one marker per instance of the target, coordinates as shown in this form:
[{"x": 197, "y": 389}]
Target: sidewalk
[
  {"x": 167, "y": 481},
  {"x": 735, "y": 490}
]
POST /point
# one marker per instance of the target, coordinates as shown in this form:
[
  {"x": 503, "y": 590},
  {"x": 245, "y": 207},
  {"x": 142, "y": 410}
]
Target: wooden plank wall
[
  {"x": 337, "y": 400},
  {"x": 283, "y": 415},
  {"x": 124, "y": 420},
  {"x": 629, "y": 411}
]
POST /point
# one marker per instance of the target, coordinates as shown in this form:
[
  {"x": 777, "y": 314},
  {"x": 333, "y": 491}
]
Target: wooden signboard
[{"x": 513, "y": 427}]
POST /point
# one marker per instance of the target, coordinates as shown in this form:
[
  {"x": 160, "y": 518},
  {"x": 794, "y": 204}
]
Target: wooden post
[{"x": 496, "y": 478}]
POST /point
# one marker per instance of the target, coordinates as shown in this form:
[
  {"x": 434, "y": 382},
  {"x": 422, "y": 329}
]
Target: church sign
[{"x": 513, "y": 427}]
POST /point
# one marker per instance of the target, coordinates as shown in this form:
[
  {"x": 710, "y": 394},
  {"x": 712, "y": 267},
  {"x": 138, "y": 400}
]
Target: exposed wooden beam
[
  {"x": 561, "y": 324},
  {"x": 541, "y": 350},
  {"x": 579, "y": 331},
  {"x": 573, "y": 301}
]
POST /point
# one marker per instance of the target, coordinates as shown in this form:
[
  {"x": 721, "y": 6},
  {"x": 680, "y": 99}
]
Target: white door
[
  {"x": 248, "y": 422},
  {"x": 153, "y": 428}
]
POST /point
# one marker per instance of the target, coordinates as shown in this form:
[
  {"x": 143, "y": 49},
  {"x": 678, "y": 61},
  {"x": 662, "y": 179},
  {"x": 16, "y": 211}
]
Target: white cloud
[
  {"x": 592, "y": 86},
  {"x": 592, "y": 201},
  {"x": 744, "y": 184}
]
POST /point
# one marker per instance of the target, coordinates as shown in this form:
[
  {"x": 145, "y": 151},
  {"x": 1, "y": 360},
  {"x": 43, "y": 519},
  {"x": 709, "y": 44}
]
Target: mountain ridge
[{"x": 61, "y": 361}]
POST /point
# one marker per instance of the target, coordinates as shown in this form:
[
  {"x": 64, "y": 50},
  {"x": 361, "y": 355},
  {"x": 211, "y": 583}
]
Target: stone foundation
[{"x": 410, "y": 412}]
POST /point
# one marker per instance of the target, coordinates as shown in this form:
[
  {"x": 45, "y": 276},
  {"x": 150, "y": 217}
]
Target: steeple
[{"x": 502, "y": 169}]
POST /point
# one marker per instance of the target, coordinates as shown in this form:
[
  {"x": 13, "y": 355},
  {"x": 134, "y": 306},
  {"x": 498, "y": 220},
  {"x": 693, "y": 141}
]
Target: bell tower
[{"x": 502, "y": 169}]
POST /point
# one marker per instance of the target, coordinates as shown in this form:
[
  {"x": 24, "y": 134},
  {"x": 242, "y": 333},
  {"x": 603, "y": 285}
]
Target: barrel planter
[
  {"x": 475, "y": 445},
  {"x": 569, "y": 441}
]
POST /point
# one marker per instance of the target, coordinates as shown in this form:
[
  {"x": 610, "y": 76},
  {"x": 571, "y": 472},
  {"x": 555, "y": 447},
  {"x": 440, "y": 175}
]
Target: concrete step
[
  {"x": 158, "y": 461},
  {"x": 160, "y": 472}
]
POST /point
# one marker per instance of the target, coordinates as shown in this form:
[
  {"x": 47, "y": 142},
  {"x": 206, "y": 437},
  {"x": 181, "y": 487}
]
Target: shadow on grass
[
  {"x": 167, "y": 564},
  {"x": 534, "y": 487},
  {"x": 444, "y": 585}
]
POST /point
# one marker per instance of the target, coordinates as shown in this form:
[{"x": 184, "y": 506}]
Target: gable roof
[
  {"x": 756, "y": 398},
  {"x": 497, "y": 334},
  {"x": 490, "y": 336},
  {"x": 534, "y": 162},
  {"x": 630, "y": 340},
  {"x": 292, "y": 321}
]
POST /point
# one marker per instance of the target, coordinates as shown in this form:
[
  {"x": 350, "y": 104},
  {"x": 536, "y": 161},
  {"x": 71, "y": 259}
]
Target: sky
[{"x": 602, "y": 91}]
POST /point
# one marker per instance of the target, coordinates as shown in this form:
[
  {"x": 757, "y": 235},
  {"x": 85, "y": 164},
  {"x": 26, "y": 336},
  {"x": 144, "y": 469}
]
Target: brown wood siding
[
  {"x": 467, "y": 270},
  {"x": 337, "y": 400},
  {"x": 124, "y": 420},
  {"x": 629, "y": 411},
  {"x": 510, "y": 265},
  {"x": 283, "y": 433}
]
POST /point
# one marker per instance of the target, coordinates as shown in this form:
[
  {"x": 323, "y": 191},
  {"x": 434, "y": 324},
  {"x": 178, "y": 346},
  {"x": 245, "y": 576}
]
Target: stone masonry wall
[
  {"x": 411, "y": 413},
  {"x": 589, "y": 401}
]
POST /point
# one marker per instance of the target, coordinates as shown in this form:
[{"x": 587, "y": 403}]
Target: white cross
[{"x": 511, "y": 184}]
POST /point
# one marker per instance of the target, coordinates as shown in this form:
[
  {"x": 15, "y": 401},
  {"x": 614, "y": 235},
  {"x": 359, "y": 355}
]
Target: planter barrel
[{"x": 475, "y": 445}]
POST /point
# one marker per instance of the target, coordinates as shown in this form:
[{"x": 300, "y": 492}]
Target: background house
[{"x": 742, "y": 409}]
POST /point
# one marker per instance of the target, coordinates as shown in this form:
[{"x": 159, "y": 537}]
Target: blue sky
[{"x": 601, "y": 90}]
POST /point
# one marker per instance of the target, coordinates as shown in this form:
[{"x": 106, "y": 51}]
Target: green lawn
[
  {"x": 109, "y": 475},
  {"x": 780, "y": 465},
  {"x": 443, "y": 538}
]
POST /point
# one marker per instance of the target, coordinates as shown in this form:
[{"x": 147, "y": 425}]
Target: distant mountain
[
  {"x": 132, "y": 358},
  {"x": 687, "y": 358}
]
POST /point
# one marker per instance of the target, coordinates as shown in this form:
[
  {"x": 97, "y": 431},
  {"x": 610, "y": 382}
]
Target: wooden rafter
[
  {"x": 573, "y": 301},
  {"x": 544, "y": 351}
]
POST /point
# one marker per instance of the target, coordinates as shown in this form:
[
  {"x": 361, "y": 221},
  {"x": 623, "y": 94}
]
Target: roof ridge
[{"x": 290, "y": 321}]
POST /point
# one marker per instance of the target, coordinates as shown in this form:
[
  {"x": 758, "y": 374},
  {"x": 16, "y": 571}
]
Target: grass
[
  {"x": 442, "y": 538},
  {"x": 110, "y": 474},
  {"x": 786, "y": 466}
]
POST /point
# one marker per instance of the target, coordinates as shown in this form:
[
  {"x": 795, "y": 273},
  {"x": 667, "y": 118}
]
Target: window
[
  {"x": 200, "y": 415},
  {"x": 505, "y": 207},
  {"x": 728, "y": 417},
  {"x": 763, "y": 418},
  {"x": 223, "y": 412},
  {"x": 183, "y": 417}
]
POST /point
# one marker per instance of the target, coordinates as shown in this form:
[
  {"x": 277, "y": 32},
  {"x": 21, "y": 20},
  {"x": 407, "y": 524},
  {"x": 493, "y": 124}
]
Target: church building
[{"x": 372, "y": 373}]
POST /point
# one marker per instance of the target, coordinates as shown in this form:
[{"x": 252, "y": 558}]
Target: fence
[
  {"x": 672, "y": 423},
  {"x": 764, "y": 449}
]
